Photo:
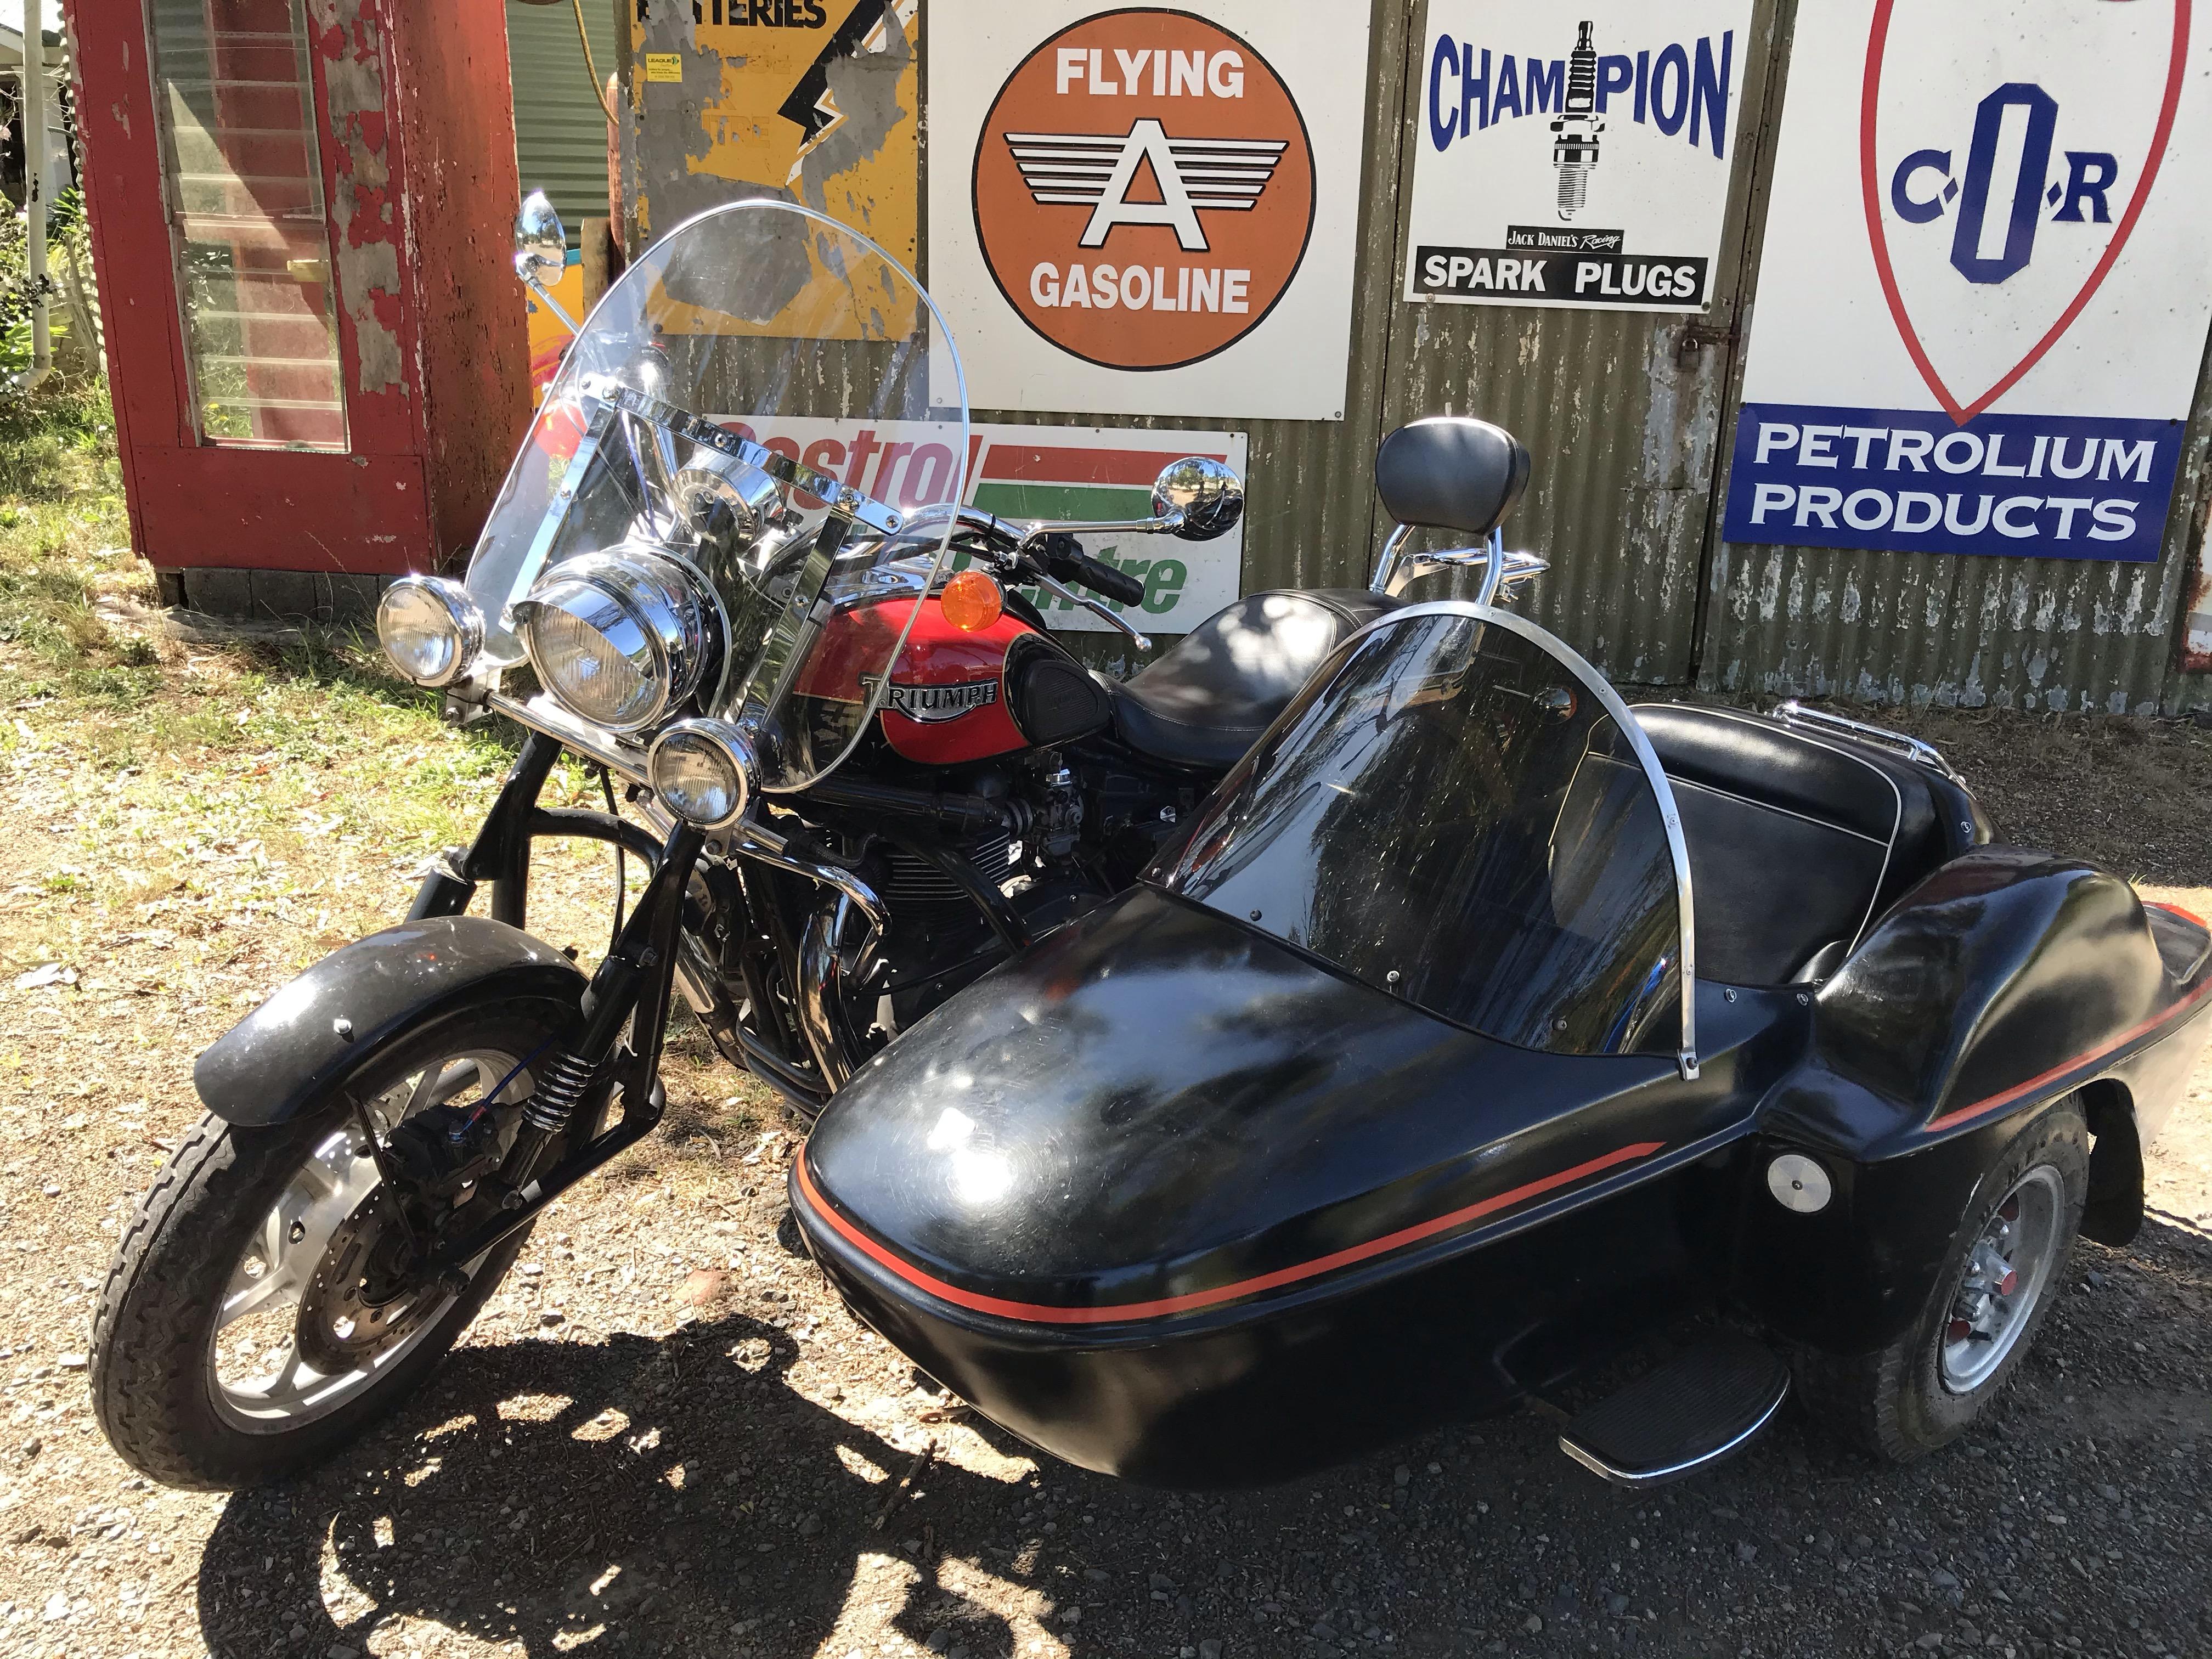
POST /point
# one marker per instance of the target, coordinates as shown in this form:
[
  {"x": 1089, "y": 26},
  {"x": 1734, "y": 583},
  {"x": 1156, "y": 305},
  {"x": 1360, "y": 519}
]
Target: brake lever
[{"x": 1097, "y": 608}]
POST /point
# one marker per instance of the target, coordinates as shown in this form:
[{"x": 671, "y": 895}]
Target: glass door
[{"x": 249, "y": 235}]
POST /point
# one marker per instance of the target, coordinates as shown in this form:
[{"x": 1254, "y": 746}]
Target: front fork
[{"x": 631, "y": 987}]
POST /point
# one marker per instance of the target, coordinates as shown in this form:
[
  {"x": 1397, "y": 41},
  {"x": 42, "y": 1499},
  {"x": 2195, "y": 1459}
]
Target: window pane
[{"x": 251, "y": 241}]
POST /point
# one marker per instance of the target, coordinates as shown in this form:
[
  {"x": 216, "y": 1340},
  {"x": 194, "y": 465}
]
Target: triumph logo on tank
[
  {"x": 1578, "y": 156},
  {"x": 1143, "y": 189},
  {"x": 2006, "y": 285},
  {"x": 931, "y": 703}
]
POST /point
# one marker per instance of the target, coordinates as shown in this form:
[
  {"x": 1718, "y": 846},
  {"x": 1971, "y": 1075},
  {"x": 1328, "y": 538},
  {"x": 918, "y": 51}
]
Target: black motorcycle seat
[
  {"x": 1797, "y": 840},
  {"x": 1207, "y": 700}
]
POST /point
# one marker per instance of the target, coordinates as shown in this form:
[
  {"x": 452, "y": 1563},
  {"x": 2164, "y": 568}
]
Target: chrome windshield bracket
[
  {"x": 1687, "y": 1060},
  {"x": 834, "y": 492},
  {"x": 557, "y": 513}
]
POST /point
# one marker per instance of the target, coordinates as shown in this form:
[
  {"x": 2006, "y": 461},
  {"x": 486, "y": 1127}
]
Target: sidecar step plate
[{"x": 1694, "y": 1410}]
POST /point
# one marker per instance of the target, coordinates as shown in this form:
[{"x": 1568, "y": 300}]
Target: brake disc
[{"x": 362, "y": 1300}]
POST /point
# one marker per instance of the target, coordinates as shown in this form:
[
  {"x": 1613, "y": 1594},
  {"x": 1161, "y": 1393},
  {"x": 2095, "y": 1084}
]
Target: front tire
[
  {"x": 231, "y": 1346},
  {"x": 1982, "y": 1314}
]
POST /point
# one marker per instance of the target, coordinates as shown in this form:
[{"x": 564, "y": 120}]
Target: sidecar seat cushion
[
  {"x": 1207, "y": 700},
  {"x": 1795, "y": 840}
]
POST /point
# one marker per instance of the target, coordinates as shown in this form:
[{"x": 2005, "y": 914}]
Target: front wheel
[
  {"x": 1981, "y": 1313},
  {"x": 258, "y": 1314}
]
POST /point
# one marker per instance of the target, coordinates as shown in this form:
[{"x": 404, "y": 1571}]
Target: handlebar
[{"x": 1063, "y": 557}]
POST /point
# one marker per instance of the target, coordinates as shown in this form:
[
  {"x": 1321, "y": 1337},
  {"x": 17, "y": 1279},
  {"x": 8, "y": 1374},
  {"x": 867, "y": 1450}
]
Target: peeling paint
[
  {"x": 366, "y": 254},
  {"x": 866, "y": 87}
]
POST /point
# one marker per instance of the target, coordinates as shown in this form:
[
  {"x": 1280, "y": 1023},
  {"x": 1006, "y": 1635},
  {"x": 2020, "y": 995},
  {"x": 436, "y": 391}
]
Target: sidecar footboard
[{"x": 314, "y": 1032}]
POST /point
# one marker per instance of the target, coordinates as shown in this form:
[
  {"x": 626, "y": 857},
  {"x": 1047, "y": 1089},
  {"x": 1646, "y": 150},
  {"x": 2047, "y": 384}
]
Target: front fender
[{"x": 307, "y": 1038}]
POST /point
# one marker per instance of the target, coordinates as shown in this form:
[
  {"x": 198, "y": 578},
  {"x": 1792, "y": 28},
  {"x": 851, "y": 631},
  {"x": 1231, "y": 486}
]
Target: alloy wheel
[
  {"x": 304, "y": 1327},
  {"x": 2005, "y": 1276}
]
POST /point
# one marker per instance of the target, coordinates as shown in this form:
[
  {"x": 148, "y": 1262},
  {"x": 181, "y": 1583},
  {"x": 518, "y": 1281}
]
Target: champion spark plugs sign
[
  {"x": 1576, "y": 155},
  {"x": 1147, "y": 211},
  {"x": 1984, "y": 293}
]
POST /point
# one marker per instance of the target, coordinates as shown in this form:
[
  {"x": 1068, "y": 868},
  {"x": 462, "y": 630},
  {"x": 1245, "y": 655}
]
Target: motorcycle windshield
[
  {"x": 755, "y": 399},
  {"x": 1458, "y": 812}
]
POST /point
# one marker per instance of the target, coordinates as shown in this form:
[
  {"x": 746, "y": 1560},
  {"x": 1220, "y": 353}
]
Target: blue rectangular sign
[{"x": 1898, "y": 480}]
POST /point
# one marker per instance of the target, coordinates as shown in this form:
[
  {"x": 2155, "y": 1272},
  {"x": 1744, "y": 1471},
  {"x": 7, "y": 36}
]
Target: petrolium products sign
[
  {"x": 1575, "y": 156},
  {"x": 1984, "y": 296},
  {"x": 1131, "y": 212}
]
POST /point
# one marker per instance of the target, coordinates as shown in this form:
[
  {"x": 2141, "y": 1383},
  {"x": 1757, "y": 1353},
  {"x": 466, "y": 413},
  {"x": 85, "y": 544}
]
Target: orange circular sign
[{"x": 1143, "y": 189}]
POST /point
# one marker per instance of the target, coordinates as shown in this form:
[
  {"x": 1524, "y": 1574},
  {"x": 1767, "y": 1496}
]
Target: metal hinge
[{"x": 1696, "y": 336}]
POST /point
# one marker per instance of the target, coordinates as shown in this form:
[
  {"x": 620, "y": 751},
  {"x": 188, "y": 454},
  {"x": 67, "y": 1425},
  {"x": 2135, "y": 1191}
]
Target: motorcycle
[{"x": 867, "y": 773}]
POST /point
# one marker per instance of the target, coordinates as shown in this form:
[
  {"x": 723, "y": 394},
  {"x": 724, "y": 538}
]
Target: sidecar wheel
[
  {"x": 226, "y": 1352},
  {"x": 1984, "y": 1313}
]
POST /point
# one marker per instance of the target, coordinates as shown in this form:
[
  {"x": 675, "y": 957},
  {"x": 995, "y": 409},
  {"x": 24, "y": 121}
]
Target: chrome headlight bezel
[
  {"x": 653, "y": 609},
  {"x": 451, "y": 601},
  {"x": 727, "y": 742}
]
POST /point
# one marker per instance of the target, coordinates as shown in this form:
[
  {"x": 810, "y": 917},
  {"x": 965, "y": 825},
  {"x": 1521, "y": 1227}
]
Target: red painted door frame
[{"x": 406, "y": 489}]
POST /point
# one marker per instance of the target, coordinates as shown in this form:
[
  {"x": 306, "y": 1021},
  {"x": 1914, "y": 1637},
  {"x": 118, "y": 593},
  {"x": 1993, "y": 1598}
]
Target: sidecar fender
[{"x": 306, "y": 1040}]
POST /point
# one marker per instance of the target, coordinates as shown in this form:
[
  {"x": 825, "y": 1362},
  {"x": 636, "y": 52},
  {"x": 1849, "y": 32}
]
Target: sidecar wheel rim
[
  {"x": 2006, "y": 1273},
  {"x": 259, "y": 1380}
]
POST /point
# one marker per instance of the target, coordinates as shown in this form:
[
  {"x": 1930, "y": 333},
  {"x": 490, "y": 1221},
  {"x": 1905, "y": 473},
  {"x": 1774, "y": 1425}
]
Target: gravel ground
[{"x": 665, "y": 1438}]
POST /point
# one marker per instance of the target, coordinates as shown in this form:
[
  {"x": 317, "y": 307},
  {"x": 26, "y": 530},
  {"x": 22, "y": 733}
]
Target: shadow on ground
[{"x": 530, "y": 1500}]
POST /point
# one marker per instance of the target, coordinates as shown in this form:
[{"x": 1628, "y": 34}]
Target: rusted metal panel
[{"x": 1623, "y": 424}]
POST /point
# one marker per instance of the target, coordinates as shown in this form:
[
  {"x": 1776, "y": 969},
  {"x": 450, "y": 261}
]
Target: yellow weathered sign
[{"x": 812, "y": 100}]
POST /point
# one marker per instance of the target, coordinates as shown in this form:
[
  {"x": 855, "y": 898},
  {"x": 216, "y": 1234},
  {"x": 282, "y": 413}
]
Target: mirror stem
[{"x": 530, "y": 277}]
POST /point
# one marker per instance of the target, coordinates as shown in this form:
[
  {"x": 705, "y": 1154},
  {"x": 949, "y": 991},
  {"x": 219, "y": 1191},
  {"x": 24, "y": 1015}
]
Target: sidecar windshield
[
  {"x": 1456, "y": 812},
  {"x": 756, "y": 398}
]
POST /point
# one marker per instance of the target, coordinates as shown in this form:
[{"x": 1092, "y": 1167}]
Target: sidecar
[{"x": 1480, "y": 1026}]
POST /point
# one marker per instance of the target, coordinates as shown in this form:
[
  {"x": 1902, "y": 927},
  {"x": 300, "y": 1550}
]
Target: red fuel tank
[{"x": 948, "y": 698}]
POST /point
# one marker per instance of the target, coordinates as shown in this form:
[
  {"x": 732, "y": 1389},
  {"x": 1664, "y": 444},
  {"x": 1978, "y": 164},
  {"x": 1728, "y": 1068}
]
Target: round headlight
[
  {"x": 620, "y": 637},
  {"x": 430, "y": 629},
  {"x": 703, "y": 770}
]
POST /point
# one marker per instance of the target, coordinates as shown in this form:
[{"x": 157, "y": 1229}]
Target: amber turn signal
[{"x": 971, "y": 601}]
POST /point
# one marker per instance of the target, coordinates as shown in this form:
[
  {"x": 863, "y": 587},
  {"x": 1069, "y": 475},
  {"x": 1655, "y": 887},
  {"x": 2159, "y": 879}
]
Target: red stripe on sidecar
[
  {"x": 2088, "y": 1057},
  {"x": 1050, "y": 1314}
]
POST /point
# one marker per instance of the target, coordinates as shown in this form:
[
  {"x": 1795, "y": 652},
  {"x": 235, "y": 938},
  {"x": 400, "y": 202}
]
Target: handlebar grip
[{"x": 1102, "y": 578}]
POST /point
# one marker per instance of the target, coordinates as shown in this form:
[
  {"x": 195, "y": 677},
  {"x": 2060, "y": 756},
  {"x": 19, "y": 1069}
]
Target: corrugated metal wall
[
  {"x": 560, "y": 132},
  {"x": 1628, "y": 433},
  {"x": 1623, "y": 424}
]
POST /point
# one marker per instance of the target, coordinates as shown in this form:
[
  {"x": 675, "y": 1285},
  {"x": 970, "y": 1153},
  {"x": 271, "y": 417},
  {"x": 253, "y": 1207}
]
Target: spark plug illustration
[{"x": 1574, "y": 150}]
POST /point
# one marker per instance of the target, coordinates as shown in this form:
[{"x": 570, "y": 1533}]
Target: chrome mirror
[
  {"x": 1203, "y": 498},
  {"x": 540, "y": 241}
]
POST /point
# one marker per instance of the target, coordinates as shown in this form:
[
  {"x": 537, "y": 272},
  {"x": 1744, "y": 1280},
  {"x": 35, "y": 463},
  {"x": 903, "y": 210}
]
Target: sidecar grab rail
[{"x": 1913, "y": 749}]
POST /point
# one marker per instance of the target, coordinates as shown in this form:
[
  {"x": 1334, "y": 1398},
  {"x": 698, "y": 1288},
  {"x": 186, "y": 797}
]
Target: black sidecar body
[{"x": 1478, "y": 1025}]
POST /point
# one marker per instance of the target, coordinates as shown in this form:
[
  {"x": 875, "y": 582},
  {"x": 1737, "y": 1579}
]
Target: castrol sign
[
  {"x": 1144, "y": 165},
  {"x": 1127, "y": 211}
]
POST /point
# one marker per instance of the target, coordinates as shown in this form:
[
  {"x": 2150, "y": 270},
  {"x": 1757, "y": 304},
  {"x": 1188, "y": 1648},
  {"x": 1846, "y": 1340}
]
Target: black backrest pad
[
  {"x": 1796, "y": 840},
  {"x": 1451, "y": 472}
]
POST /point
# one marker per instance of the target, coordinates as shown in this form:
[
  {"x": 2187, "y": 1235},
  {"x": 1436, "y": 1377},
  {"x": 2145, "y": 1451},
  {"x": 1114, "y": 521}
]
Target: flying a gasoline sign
[{"x": 1143, "y": 189}]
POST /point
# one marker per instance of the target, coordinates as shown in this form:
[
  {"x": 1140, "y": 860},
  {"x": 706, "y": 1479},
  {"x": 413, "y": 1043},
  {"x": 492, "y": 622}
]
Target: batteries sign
[
  {"x": 1578, "y": 156},
  {"x": 1130, "y": 209},
  {"x": 1981, "y": 302}
]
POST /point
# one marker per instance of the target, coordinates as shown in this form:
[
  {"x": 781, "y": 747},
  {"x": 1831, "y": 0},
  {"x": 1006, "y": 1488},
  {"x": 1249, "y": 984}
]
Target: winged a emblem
[{"x": 1096, "y": 171}]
